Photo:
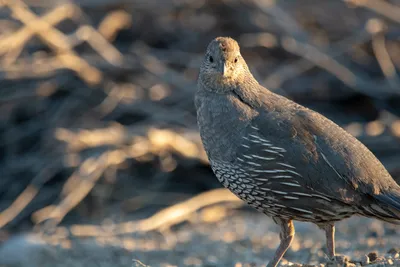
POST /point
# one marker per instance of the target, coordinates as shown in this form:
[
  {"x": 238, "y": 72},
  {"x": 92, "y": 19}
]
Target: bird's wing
[
  {"x": 336, "y": 151},
  {"x": 354, "y": 170},
  {"x": 296, "y": 159},
  {"x": 302, "y": 147}
]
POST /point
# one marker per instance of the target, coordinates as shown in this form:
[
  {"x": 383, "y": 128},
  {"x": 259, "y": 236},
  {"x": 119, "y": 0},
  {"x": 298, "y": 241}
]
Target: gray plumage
[{"x": 283, "y": 159}]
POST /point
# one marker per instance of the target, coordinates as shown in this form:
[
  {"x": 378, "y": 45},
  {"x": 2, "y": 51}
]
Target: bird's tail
[{"x": 388, "y": 208}]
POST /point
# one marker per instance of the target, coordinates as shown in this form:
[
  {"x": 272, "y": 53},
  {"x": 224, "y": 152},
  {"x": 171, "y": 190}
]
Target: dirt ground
[
  {"x": 242, "y": 238},
  {"x": 250, "y": 239}
]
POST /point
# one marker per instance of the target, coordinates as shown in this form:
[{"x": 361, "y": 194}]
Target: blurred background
[{"x": 98, "y": 133}]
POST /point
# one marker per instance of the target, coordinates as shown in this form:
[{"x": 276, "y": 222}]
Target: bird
[{"x": 283, "y": 159}]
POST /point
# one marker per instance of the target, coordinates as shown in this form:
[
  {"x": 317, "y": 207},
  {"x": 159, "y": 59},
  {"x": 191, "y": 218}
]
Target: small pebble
[
  {"x": 393, "y": 251},
  {"x": 372, "y": 256},
  {"x": 364, "y": 260}
]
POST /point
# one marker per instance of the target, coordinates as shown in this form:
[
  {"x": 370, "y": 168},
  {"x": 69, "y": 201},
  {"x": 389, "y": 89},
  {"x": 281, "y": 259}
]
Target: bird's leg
[
  {"x": 286, "y": 235},
  {"x": 330, "y": 239},
  {"x": 330, "y": 245}
]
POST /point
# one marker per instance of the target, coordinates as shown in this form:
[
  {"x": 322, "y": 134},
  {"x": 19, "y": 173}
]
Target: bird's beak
[{"x": 224, "y": 69}]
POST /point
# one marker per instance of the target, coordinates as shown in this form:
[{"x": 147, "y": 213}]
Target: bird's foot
[{"x": 338, "y": 261}]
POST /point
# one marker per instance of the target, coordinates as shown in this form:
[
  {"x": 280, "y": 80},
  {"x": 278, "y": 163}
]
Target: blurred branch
[
  {"x": 48, "y": 66},
  {"x": 291, "y": 70},
  {"x": 179, "y": 212},
  {"x": 100, "y": 44},
  {"x": 283, "y": 19},
  {"x": 152, "y": 198},
  {"x": 133, "y": 143},
  {"x": 27, "y": 195},
  {"x": 83, "y": 180},
  {"x": 66, "y": 57},
  {"x": 113, "y": 23},
  {"x": 376, "y": 27},
  {"x": 384, "y": 8},
  {"x": 163, "y": 219},
  {"x": 19, "y": 38},
  {"x": 346, "y": 75},
  {"x": 57, "y": 41},
  {"x": 88, "y": 174}
]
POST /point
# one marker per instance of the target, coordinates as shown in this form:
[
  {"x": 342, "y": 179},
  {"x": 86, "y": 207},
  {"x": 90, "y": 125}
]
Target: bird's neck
[
  {"x": 245, "y": 87},
  {"x": 249, "y": 91}
]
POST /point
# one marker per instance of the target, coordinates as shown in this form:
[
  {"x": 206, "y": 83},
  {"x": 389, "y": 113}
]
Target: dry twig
[
  {"x": 162, "y": 219},
  {"x": 56, "y": 40}
]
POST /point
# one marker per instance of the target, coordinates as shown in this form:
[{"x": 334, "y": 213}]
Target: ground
[{"x": 241, "y": 238}]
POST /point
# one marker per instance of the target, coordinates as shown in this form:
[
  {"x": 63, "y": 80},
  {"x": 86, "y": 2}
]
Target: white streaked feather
[
  {"x": 290, "y": 197},
  {"x": 264, "y": 140},
  {"x": 264, "y": 158},
  {"x": 294, "y": 173},
  {"x": 286, "y": 165},
  {"x": 302, "y": 210},
  {"x": 274, "y": 152},
  {"x": 302, "y": 194},
  {"x": 266, "y": 144},
  {"x": 254, "y": 136},
  {"x": 279, "y": 192},
  {"x": 281, "y": 176},
  {"x": 291, "y": 184},
  {"x": 261, "y": 179},
  {"x": 253, "y": 163},
  {"x": 320, "y": 196},
  {"x": 278, "y": 148},
  {"x": 269, "y": 171},
  {"x": 264, "y": 189},
  {"x": 330, "y": 165}
]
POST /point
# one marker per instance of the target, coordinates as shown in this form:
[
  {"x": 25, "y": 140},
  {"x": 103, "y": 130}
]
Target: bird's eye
[
  {"x": 236, "y": 60},
  {"x": 211, "y": 59}
]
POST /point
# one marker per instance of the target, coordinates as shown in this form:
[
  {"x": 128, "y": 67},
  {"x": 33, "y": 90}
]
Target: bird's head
[{"x": 223, "y": 66}]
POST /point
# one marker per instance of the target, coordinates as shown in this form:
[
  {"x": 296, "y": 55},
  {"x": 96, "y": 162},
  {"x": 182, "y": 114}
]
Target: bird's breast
[{"x": 222, "y": 120}]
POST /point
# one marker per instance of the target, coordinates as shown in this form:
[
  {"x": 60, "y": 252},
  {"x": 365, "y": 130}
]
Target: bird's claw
[{"x": 338, "y": 260}]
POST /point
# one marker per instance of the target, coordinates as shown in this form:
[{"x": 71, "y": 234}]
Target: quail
[{"x": 285, "y": 160}]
